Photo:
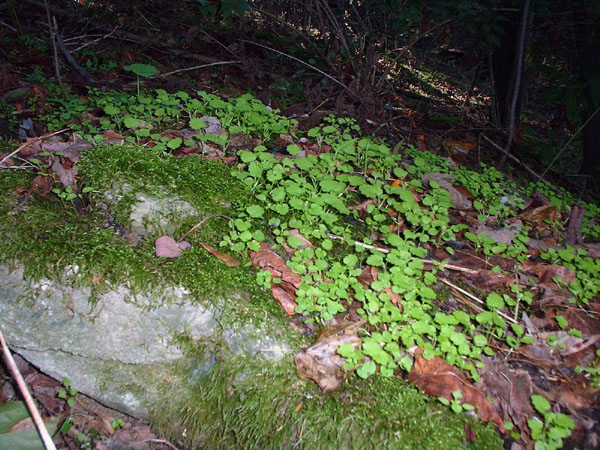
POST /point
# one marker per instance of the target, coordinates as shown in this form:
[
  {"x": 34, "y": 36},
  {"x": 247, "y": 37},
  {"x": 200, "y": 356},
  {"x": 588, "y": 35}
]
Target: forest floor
[{"x": 492, "y": 278}]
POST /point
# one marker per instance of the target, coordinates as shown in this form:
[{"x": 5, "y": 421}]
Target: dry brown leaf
[
  {"x": 540, "y": 214},
  {"x": 510, "y": 391},
  {"x": 576, "y": 217},
  {"x": 267, "y": 259},
  {"x": 227, "y": 259},
  {"x": 458, "y": 198},
  {"x": 564, "y": 345},
  {"x": 22, "y": 425},
  {"x": 111, "y": 136},
  {"x": 438, "y": 378},
  {"x": 504, "y": 235},
  {"x": 320, "y": 362},
  {"x": 455, "y": 146},
  {"x": 487, "y": 279},
  {"x": 305, "y": 242},
  {"x": 369, "y": 274},
  {"x": 546, "y": 272},
  {"x": 42, "y": 185},
  {"x": 285, "y": 299}
]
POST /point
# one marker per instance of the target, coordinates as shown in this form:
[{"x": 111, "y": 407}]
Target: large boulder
[{"x": 109, "y": 345}]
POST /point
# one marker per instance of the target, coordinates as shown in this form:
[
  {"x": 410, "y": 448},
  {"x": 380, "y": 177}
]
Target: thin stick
[
  {"x": 218, "y": 63},
  {"x": 54, "y": 50},
  {"x": 161, "y": 441},
  {"x": 325, "y": 74},
  {"x": 519, "y": 57},
  {"x": 514, "y": 158},
  {"x": 35, "y": 414},
  {"x": 424, "y": 261},
  {"x": 69, "y": 57},
  {"x": 28, "y": 143},
  {"x": 200, "y": 224},
  {"x": 471, "y": 296}
]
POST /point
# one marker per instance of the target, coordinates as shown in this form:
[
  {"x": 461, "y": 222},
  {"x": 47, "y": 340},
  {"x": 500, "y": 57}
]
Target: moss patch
[
  {"x": 247, "y": 404},
  {"x": 238, "y": 403}
]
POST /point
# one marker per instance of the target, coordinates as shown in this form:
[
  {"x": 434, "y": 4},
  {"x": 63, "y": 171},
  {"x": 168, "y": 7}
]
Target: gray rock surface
[
  {"x": 151, "y": 214},
  {"x": 110, "y": 346}
]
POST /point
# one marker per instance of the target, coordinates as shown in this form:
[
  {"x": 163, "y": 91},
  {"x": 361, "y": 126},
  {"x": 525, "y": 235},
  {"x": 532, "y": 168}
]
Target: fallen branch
[
  {"x": 28, "y": 143},
  {"x": 424, "y": 261},
  {"x": 471, "y": 296},
  {"x": 67, "y": 54},
  {"x": 515, "y": 159},
  {"x": 35, "y": 413},
  {"x": 218, "y": 63}
]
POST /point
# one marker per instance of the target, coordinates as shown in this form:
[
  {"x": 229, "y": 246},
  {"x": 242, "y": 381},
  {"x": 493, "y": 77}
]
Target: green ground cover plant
[{"x": 347, "y": 203}]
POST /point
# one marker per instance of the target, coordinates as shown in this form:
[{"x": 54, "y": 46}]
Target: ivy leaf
[
  {"x": 111, "y": 110},
  {"x": 255, "y": 211},
  {"x": 174, "y": 143},
  {"x": 142, "y": 70},
  {"x": 366, "y": 370},
  {"x": 294, "y": 242},
  {"x": 494, "y": 301},
  {"x": 540, "y": 403},
  {"x": 293, "y": 149},
  {"x": 130, "y": 122}
]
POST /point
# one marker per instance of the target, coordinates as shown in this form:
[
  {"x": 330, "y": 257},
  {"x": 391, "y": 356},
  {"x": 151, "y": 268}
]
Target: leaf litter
[{"x": 508, "y": 382}]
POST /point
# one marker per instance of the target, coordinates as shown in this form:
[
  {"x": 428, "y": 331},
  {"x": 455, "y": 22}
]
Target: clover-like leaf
[
  {"x": 255, "y": 211},
  {"x": 142, "y": 70}
]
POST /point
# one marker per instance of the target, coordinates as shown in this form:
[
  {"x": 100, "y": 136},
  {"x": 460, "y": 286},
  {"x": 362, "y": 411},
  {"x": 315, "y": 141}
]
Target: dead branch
[{"x": 35, "y": 413}]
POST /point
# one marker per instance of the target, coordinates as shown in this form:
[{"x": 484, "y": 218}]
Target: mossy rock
[{"x": 216, "y": 367}]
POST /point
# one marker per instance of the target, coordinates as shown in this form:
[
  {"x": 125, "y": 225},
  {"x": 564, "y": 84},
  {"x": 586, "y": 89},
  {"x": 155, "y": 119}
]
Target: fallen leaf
[
  {"x": 111, "y": 137},
  {"x": 510, "y": 391},
  {"x": 167, "y": 247},
  {"x": 305, "y": 243},
  {"x": 576, "y": 217},
  {"x": 285, "y": 299},
  {"x": 546, "y": 272},
  {"x": 23, "y": 425},
  {"x": 455, "y": 146},
  {"x": 320, "y": 362},
  {"x": 267, "y": 259},
  {"x": 42, "y": 185},
  {"x": 457, "y": 197},
  {"x": 563, "y": 345},
  {"x": 504, "y": 235},
  {"x": 540, "y": 214},
  {"x": 227, "y": 259},
  {"x": 438, "y": 378},
  {"x": 488, "y": 279},
  {"x": 369, "y": 275}
]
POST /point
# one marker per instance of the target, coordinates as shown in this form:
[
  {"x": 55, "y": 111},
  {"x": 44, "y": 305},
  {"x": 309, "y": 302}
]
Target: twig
[
  {"x": 468, "y": 294},
  {"x": 519, "y": 57},
  {"x": 219, "y": 63},
  {"x": 201, "y": 222},
  {"x": 28, "y": 143},
  {"x": 161, "y": 441},
  {"x": 360, "y": 244},
  {"x": 69, "y": 57},
  {"x": 54, "y": 50},
  {"x": 35, "y": 414},
  {"x": 325, "y": 74},
  {"x": 383, "y": 77},
  {"x": 424, "y": 261},
  {"x": 3, "y": 24},
  {"x": 514, "y": 158},
  {"x": 81, "y": 47}
]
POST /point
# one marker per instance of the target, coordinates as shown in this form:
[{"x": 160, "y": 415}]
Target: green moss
[
  {"x": 241, "y": 403},
  {"x": 249, "y": 404}
]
